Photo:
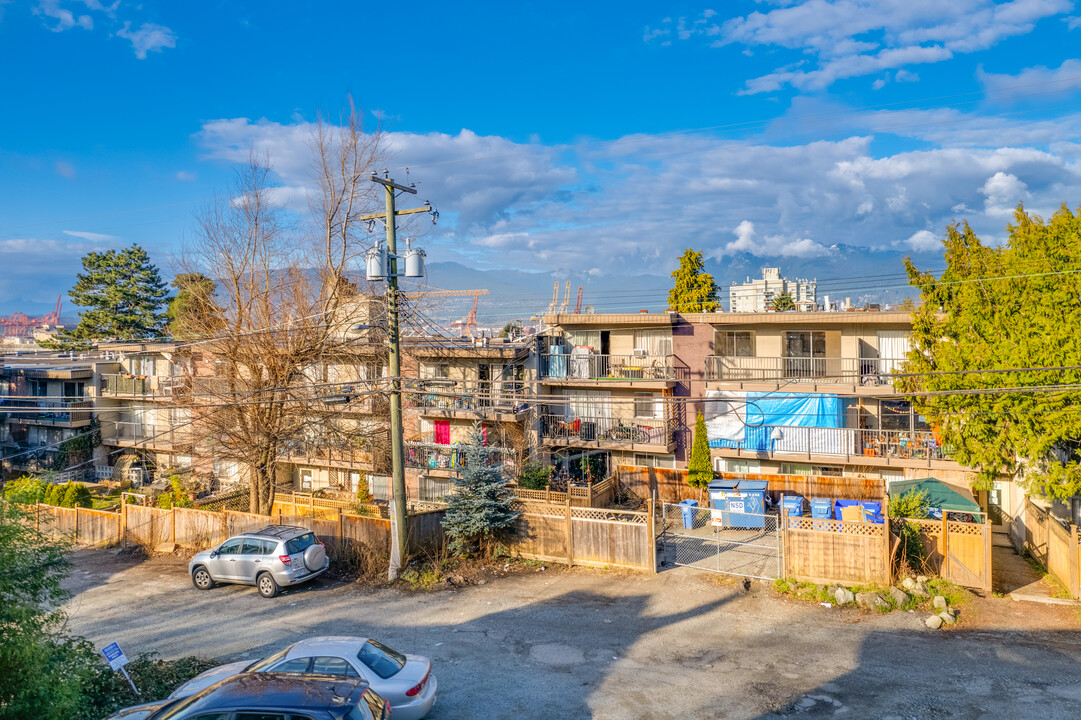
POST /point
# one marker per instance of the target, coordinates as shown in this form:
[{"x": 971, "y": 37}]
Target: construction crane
[
  {"x": 566, "y": 298},
  {"x": 578, "y": 305},
  {"x": 21, "y": 325},
  {"x": 468, "y": 324},
  {"x": 445, "y": 293}
]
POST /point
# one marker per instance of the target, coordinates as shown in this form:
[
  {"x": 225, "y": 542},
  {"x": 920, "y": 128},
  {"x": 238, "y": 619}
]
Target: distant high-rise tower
[{"x": 756, "y": 295}]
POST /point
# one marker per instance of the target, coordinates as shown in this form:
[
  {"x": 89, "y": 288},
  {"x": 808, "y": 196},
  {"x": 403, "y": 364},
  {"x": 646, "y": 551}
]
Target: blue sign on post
[{"x": 117, "y": 660}]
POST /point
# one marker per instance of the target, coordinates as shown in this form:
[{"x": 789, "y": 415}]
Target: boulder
[
  {"x": 934, "y": 622},
  {"x": 947, "y": 618},
  {"x": 940, "y": 603},
  {"x": 908, "y": 583},
  {"x": 844, "y": 596},
  {"x": 898, "y": 596},
  {"x": 921, "y": 578},
  {"x": 920, "y": 589},
  {"x": 872, "y": 601}
]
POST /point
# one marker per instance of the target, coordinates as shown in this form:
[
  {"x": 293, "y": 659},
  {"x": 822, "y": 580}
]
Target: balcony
[
  {"x": 593, "y": 369},
  {"x": 448, "y": 460},
  {"x": 498, "y": 400},
  {"x": 127, "y": 385},
  {"x": 339, "y": 452},
  {"x": 654, "y": 435},
  {"x": 872, "y": 447},
  {"x": 54, "y": 413},
  {"x": 144, "y": 435},
  {"x": 866, "y": 372}
]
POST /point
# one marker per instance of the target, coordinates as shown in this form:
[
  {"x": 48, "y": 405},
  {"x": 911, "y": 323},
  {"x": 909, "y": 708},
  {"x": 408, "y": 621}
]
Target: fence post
[
  {"x": 945, "y": 571},
  {"x": 651, "y": 541},
  {"x": 37, "y": 517},
  {"x": 987, "y": 557},
  {"x": 886, "y": 533},
  {"x": 172, "y": 526},
  {"x": 76, "y": 524},
  {"x": 570, "y": 531},
  {"x": 293, "y": 498},
  {"x": 123, "y": 531},
  {"x": 311, "y": 504}
]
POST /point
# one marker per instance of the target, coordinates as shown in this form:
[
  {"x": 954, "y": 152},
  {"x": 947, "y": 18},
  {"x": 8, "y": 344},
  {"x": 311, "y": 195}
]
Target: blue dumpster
[
  {"x": 690, "y": 513},
  {"x": 719, "y": 491},
  {"x": 747, "y": 506},
  {"x": 821, "y": 509}
]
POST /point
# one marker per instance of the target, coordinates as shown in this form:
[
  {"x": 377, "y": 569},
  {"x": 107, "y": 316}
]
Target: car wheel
[
  {"x": 268, "y": 588},
  {"x": 201, "y": 579}
]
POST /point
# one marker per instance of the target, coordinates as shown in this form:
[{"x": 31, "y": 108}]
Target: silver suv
[{"x": 276, "y": 556}]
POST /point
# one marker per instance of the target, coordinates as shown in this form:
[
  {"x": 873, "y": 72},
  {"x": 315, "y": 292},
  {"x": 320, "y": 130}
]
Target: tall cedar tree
[
  {"x": 124, "y": 296},
  {"x": 694, "y": 289},
  {"x": 480, "y": 507},
  {"x": 699, "y": 469},
  {"x": 998, "y": 307},
  {"x": 193, "y": 309}
]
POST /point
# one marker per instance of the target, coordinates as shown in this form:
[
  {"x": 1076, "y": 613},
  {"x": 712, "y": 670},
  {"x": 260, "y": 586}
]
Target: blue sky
[{"x": 585, "y": 139}]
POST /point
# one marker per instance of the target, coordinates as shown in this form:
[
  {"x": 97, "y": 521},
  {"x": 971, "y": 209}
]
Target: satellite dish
[{"x": 590, "y": 310}]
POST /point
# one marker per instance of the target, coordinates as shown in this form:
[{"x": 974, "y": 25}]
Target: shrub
[
  {"x": 912, "y": 504},
  {"x": 76, "y": 495},
  {"x": 480, "y": 508},
  {"x": 535, "y": 477},
  {"x": 54, "y": 494},
  {"x": 26, "y": 490}
]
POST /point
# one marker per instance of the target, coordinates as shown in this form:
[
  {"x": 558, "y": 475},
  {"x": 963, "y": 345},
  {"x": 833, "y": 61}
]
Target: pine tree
[
  {"x": 699, "y": 468},
  {"x": 480, "y": 507},
  {"x": 53, "y": 495},
  {"x": 783, "y": 303},
  {"x": 192, "y": 311},
  {"x": 124, "y": 296},
  {"x": 694, "y": 289}
]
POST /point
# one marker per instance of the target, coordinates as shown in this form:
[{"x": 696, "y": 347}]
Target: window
[
  {"x": 306, "y": 478},
  {"x": 300, "y": 544},
  {"x": 733, "y": 344},
  {"x": 655, "y": 461},
  {"x": 646, "y": 405},
  {"x": 654, "y": 342},
  {"x": 354, "y": 480},
  {"x": 743, "y": 466},
  {"x": 805, "y": 344},
  {"x": 259, "y": 716},
  {"x": 230, "y": 547},
  {"x": 380, "y": 659},
  {"x": 376, "y": 704},
  {"x": 296, "y": 665},
  {"x": 252, "y": 547},
  {"x": 327, "y": 665},
  {"x": 430, "y": 371}
]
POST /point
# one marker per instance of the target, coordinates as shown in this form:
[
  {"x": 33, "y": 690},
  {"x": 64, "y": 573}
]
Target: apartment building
[
  {"x": 606, "y": 384},
  {"x": 757, "y": 295}
]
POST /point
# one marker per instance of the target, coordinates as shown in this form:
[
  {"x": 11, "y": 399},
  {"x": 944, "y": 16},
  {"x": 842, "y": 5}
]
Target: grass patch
[{"x": 1058, "y": 589}]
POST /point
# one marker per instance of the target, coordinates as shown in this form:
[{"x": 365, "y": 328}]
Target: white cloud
[
  {"x": 64, "y": 18},
  {"x": 851, "y": 38},
  {"x": 185, "y": 176},
  {"x": 148, "y": 38},
  {"x": 1003, "y": 191},
  {"x": 924, "y": 241},
  {"x": 97, "y": 237},
  {"x": 1073, "y": 22},
  {"x": 1035, "y": 82}
]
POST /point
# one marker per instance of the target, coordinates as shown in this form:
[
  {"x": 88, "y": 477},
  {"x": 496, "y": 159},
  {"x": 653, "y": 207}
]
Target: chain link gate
[{"x": 744, "y": 544}]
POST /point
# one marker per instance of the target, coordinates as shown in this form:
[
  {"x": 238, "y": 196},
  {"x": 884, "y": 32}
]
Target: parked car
[
  {"x": 276, "y": 556},
  {"x": 406, "y": 681},
  {"x": 270, "y": 696}
]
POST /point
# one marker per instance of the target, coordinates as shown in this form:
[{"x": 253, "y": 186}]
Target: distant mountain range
[{"x": 861, "y": 274}]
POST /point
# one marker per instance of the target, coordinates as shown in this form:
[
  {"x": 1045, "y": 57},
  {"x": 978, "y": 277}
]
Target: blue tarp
[{"x": 766, "y": 410}]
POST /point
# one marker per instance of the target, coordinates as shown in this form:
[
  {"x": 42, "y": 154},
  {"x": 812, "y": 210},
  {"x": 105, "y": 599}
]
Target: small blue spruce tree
[{"x": 480, "y": 508}]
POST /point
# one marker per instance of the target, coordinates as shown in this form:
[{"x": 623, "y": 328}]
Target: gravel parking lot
[{"x": 590, "y": 643}]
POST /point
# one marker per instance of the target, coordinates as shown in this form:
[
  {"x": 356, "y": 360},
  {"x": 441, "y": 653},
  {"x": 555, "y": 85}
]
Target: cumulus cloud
[
  {"x": 1003, "y": 191},
  {"x": 851, "y": 38},
  {"x": 59, "y": 18},
  {"x": 148, "y": 38},
  {"x": 924, "y": 241}
]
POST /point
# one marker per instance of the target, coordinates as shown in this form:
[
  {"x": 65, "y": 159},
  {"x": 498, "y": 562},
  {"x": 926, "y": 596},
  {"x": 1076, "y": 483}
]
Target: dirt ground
[{"x": 592, "y": 643}]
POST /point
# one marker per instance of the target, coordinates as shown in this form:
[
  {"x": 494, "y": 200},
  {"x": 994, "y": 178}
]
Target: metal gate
[{"x": 735, "y": 543}]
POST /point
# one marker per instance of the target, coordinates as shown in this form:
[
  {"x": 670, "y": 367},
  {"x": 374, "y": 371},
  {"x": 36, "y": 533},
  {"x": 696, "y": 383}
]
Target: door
[
  {"x": 223, "y": 566},
  {"x": 252, "y": 558},
  {"x": 994, "y": 504}
]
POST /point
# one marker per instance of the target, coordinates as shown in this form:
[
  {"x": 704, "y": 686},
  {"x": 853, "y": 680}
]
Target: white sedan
[{"x": 405, "y": 681}]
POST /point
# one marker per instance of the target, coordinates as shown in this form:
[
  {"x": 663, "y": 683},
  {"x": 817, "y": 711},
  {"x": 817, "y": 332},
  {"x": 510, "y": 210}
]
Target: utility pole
[{"x": 397, "y": 445}]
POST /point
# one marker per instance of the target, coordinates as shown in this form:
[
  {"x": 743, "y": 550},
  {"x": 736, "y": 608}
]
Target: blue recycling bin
[
  {"x": 793, "y": 506},
  {"x": 872, "y": 512},
  {"x": 690, "y": 513},
  {"x": 821, "y": 510}
]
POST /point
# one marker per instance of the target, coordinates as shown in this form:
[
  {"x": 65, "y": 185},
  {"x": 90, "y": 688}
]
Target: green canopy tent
[{"x": 939, "y": 495}]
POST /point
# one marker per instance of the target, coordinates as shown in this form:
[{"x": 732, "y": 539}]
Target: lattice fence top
[
  {"x": 961, "y": 528},
  {"x": 544, "y": 509},
  {"x": 626, "y": 516},
  {"x": 836, "y": 526}
]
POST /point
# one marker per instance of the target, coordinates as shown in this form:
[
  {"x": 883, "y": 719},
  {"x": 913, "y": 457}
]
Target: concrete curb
[{"x": 1044, "y": 599}]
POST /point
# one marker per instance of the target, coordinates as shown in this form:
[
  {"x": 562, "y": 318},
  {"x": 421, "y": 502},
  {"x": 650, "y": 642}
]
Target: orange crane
[
  {"x": 578, "y": 305},
  {"x": 21, "y": 325},
  {"x": 468, "y": 324}
]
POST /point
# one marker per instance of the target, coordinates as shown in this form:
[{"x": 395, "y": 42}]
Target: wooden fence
[
  {"x": 1055, "y": 546},
  {"x": 829, "y": 551},
  {"x": 957, "y": 551},
  {"x": 584, "y": 536},
  {"x": 90, "y": 528},
  {"x": 599, "y": 494},
  {"x": 671, "y": 485}
]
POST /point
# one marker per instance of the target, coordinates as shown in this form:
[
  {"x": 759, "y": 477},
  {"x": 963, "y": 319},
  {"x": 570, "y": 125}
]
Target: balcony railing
[
  {"x": 47, "y": 411},
  {"x": 621, "y": 430},
  {"x": 811, "y": 441},
  {"x": 854, "y": 371},
  {"x": 591, "y": 366},
  {"x": 484, "y": 397},
  {"x": 126, "y": 385},
  {"x": 327, "y": 449},
  {"x": 117, "y": 432},
  {"x": 439, "y": 456}
]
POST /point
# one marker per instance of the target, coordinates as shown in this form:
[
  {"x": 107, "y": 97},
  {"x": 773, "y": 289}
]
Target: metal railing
[
  {"x": 49, "y": 411},
  {"x": 327, "y": 449},
  {"x": 127, "y": 385},
  {"x": 591, "y": 366},
  {"x": 639, "y": 431},
  {"x": 811, "y": 441},
  {"x": 482, "y": 396},
  {"x": 116, "y": 432},
  {"x": 428, "y": 455},
  {"x": 857, "y": 371}
]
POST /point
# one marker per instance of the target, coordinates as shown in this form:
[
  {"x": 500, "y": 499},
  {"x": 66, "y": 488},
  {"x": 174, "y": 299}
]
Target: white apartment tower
[{"x": 756, "y": 295}]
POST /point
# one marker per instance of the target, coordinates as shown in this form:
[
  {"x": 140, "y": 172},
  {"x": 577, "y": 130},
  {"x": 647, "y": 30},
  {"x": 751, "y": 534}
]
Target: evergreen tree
[
  {"x": 124, "y": 296},
  {"x": 193, "y": 311},
  {"x": 480, "y": 507},
  {"x": 694, "y": 289},
  {"x": 783, "y": 303},
  {"x": 700, "y": 468},
  {"x": 53, "y": 495},
  {"x": 997, "y": 307}
]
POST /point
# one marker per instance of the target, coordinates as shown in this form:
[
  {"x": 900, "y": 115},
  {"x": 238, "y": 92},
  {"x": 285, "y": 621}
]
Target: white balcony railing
[
  {"x": 591, "y": 366},
  {"x": 850, "y": 371},
  {"x": 848, "y": 442}
]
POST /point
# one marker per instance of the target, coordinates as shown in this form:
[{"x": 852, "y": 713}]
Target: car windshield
[
  {"x": 380, "y": 659},
  {"x": 267, "y": 661},
  {"x": 300, "y": 544}
]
